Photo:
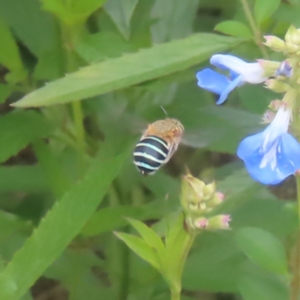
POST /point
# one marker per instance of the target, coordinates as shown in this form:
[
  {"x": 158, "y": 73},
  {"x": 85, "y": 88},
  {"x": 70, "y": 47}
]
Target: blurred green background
[{"x": 67, "y": 179}]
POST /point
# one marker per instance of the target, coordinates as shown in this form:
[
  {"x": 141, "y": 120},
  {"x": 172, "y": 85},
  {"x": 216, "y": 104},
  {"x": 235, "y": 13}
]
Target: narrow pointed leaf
[
  {"x": 141, "y": 248},
  {"x": 9, "y": 51},
  {"x": 129, "y": 69},
  {"x": 149, "y": 236},
  {"x": 60, "y": 226},
  {"x": 176, "y": 225}
]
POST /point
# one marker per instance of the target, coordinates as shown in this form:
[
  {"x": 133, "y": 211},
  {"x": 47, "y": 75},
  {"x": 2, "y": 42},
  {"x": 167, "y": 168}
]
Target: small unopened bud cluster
[
  {"x": 285, "y": 80},
  {"x": 198, "y": 200},
  {"x": 290, "y": 44}
]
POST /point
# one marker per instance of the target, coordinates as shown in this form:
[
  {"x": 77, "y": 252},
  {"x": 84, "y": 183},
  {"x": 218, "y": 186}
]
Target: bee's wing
[
  {"x": 197, "y": 139},
  {"x": 172, "y": 149}
]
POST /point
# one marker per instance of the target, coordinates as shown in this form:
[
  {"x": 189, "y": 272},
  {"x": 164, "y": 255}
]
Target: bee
[{"x": 157, "y": 145}]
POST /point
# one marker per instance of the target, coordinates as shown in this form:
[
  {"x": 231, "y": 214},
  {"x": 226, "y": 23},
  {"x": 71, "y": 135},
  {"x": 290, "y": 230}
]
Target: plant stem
[
  {"x": 296, "y": 256},
  {"x": 295, "y": 267},
  {"x": 78, "y": 119},
  {"x": 256, "y": 32},
  {"x": 175, "y": 294},
  {"x": 186, "y": 247},
  {"x": 70, "y": 35}
]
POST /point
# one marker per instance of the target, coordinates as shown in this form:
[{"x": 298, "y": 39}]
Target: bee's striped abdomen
[{"x": 150, "y": 154}]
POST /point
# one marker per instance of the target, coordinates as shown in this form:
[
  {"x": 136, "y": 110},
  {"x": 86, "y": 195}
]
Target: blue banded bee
[{"x": 157, "y": 145}]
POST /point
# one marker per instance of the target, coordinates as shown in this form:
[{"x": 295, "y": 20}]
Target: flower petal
[
  {"x": 228, "y": 62},
  {"x": 250, "y": 72},
  {"x": 217, "y": 83},
  {"x": 231, "y": 86},
  {"x": 273, "y": 165},
  {"x": 212, "y": 81}
]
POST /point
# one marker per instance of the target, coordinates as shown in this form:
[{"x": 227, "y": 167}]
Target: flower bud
[
  {"x": 277, "y": 85},
  {"x": 213, "y": 223},
  {"x": 274, "y": 43},
  {"x": 192, "y": 193},
  {"x": 275, "y": 104},
  {"x": 219, "y": 222},
  {"x": 291, "y": 48},
  {"x": 201, "y": 223},
  {"x": 292, "y": 35},
  {"x": 215, "y": 200},
  {"x": 270, "y": 67},
  {"x": 209, "y": 191}
]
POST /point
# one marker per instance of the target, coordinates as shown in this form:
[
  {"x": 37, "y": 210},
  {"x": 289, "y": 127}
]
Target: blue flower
[
  {"x": 273, "y": 154},
  {"x": 240, "y": 72},
  {"x": 285, "y": 69}
]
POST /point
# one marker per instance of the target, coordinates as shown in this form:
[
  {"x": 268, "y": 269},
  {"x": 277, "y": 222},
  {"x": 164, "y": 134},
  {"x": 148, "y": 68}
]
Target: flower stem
[
  {"x": 256, "y": 32},
  {"x": 296, "y": 256},
  {"x": 295, "y": 266},
  {"x": 298, "y": 196}
]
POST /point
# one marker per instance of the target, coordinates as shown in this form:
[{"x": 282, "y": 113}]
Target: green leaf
[
  {"x": 217, "y": 128},
  {"x": 9, "y": 51},
  {"x": 60, "y": 225},
  {"x": 9, "y": 224},
  {"x": 56, "y": 178},
  {"x": 38, "y": 31},
  {"x": 234, "y": 28},
  {"x": 288, "y": 14},
  {"x": 214, "y": 264},
  {"x": 263, "y": 248},
  {"x": 264, "y": 9},
  {"x": 18, "y": 129},
  {"x": 22, "y": 179},
  {"x": 74, "y": 264},
  {"x": 102, "y": 45},
  {"x": 141, "y": 248},
  {"x": 121, "y": 13},
  {"x": 27, "y": 296},
  {"x": 174, "y": 19},
  {"x": 119, "y": 72},
  {"x": 5, "y": 91},
  {"x": 175, "y": 225},
  {"x": 263, "y": 288},
  {"x": 74, "y": 11},
  {"x": 149, "y": 236},
  {"x": 110, "y": 218}
]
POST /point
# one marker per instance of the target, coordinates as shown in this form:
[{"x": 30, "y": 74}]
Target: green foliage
[
  {"x": 121, "y": 13},
  {"x": 234, "y": 28},
  {"x": 264, "y": 9},
  {"x": 148, "y": 64},
  {"x": 263, "y": 248},
  {"x": 263, "y": 287},
  {"x": 9, "y": 53},
  {"x": 19, "y": 129},
  {"x": 59, "y": 227},
  {"x": 74, "y": 11},
  {"x": 70, "y": 195}
]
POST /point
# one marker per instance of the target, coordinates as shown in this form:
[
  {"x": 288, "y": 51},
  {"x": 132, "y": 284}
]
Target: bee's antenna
[{"x": 164, "y": 110}]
